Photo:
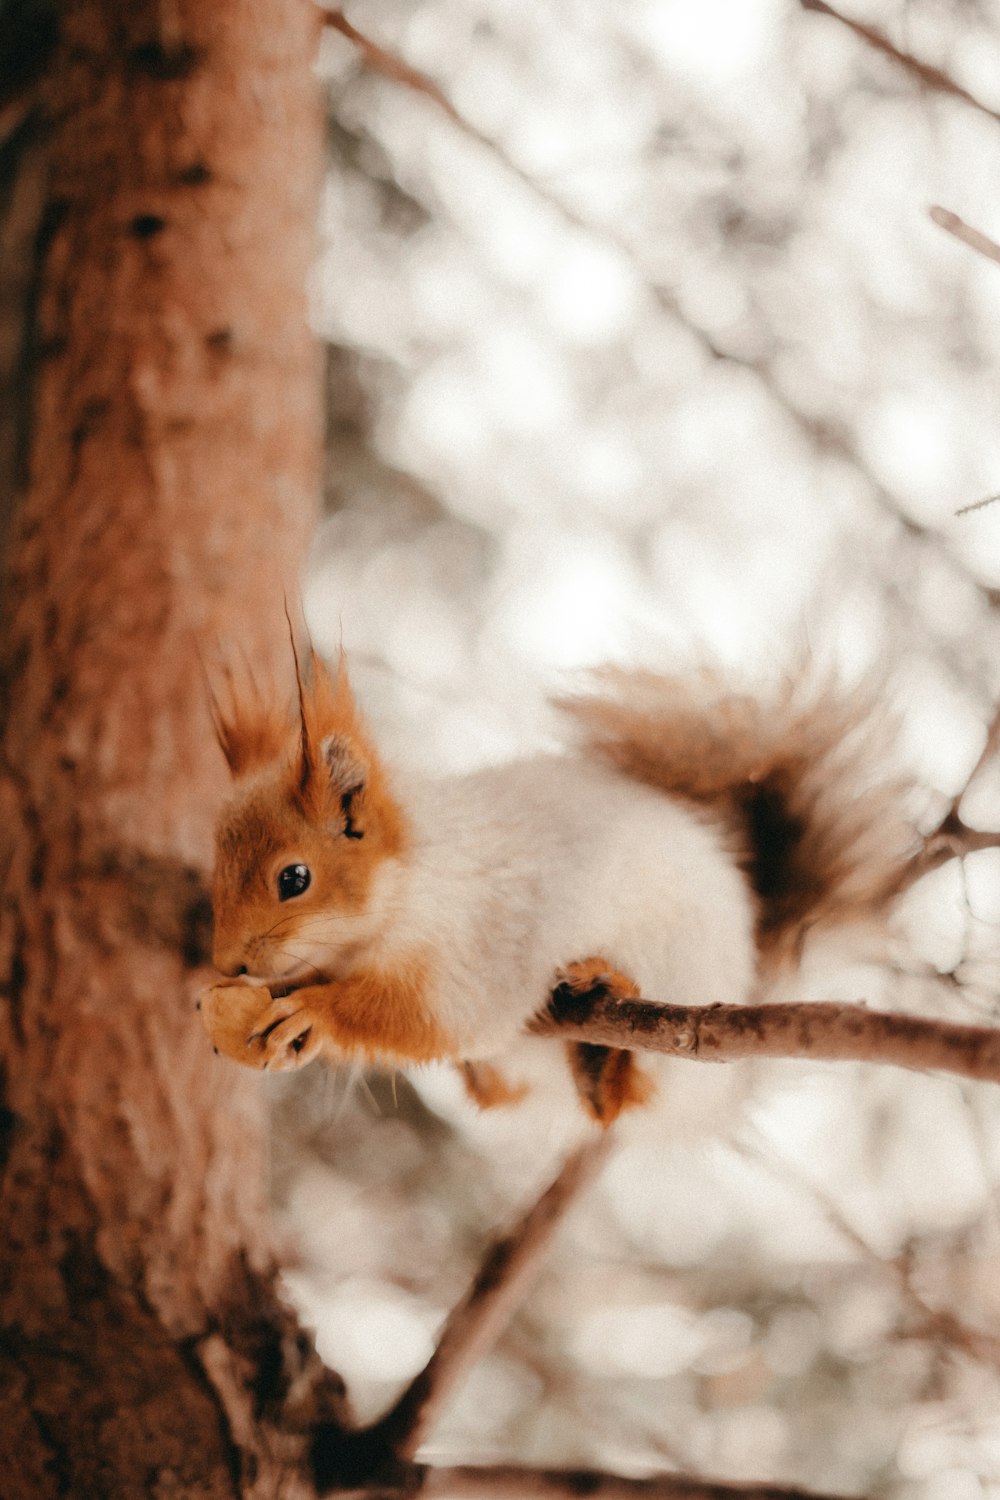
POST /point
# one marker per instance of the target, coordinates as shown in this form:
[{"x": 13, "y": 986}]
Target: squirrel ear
[
  {"x": 345, "y": 767},
  {"x": 348, "y": 777}
]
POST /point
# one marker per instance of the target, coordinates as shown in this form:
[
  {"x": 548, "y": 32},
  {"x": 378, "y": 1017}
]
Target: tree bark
[{"x": 173, "y": 464}]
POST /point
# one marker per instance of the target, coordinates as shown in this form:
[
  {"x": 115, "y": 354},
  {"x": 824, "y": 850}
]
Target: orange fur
[
  {"x": 820, "y": 835},
  {"x": 324, "y": 777},
  {"x": 251, "y": 731},
  {"x": 311, "y": 790},
  {"x": 487, "y": 1086},
  {"x": 798, "y": 776},
  {"x": 608, "y": 1080},
  {"x": 385, "y": 1014}
]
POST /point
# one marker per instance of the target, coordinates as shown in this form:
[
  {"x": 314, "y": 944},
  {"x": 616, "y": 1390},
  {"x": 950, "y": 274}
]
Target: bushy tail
[{"x": 801, "y": 776}]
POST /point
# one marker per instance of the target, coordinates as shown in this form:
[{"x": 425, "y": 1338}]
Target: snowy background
[{"x": 663, "y": 354}]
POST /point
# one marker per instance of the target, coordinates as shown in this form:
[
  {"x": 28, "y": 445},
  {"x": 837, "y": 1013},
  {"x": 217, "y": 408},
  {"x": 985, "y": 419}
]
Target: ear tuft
[
  {"x": 250, "y": 730},
  {"x": 333, "y": 749}
]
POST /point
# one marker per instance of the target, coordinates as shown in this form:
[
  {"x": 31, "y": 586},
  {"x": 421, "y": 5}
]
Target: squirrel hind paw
[
  {"x": 586, "y": 975},
  {"x": 488, "y": 1087},
  {"x": 577, "y": 986},
  {"x": 608, "y": 1080}
]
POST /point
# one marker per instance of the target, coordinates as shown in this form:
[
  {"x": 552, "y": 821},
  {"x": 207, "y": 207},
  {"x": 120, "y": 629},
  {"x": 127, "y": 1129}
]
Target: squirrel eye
[{"x": 293, "y": 880}]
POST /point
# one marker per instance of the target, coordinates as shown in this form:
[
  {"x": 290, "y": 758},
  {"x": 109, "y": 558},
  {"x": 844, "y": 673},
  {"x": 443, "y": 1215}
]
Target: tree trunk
[{"x": 173, "y": 457}]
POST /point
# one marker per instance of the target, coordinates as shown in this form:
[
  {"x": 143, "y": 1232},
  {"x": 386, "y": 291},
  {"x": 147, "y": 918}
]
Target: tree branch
[
  {"x": 825, "y": 435},
  {"x": 514, "y": 1482},
  {"x": 966, "y": 510},
  {"x": 990, "y": 745},
  {"x": 929, "y": 1322},
  {"x": 953, "y": 838},
  {"x": 930, "y": 77},
  {"x": 377, "y": 1462},
  {"x": 509, "y": 1482},
  {"x": 821, "y": 1031},
  {"x": 390, "y": 64},
  {"x": 945, "y": 219},
  {"x": 503, "y": 1279}
]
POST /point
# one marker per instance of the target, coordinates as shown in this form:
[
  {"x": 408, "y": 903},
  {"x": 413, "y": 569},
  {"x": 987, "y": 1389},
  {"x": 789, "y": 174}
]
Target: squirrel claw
[
  {"x": 577, "y": 985},
  {"x": 270, "y": 1017},
  {"x": 262, "y": 1031},
  {"x": 584, "y": 976},
  {"x": 229, "y": 1012},
  {"x": 284, "y": 1036}
]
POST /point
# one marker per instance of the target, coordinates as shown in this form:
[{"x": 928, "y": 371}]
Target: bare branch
[
  {"x": 966, "y": 510},
  {"x": 509, "y": 1482},
  {"x": 502, "y": 1281},
  {"x": 930, "y": 77},
  {"x": 514, "y": 1482},
  {"x": 384, "y": 1450},
  {"x": 823, "y": 434},
  {"x": 990, "y": 746},
  {"x": 390, "y": 64},
  {"x": 928, "y": 1322},
  {"x": 945, "y": 219},
  {"x": 953, "y": 838},
  {"x": 822, "y": 1031}
]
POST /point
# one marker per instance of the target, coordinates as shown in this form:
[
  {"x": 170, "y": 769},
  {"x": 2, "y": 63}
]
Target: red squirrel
[{"x": 679, "y": 850}]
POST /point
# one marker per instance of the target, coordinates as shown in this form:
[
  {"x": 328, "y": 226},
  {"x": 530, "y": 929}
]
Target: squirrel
[{"x": 681, "y": 849}]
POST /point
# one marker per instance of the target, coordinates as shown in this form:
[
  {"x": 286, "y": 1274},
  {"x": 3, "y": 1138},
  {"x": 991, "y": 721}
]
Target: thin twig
[
  {"x": 990, "y": 747},
  {"x": 953, "y": 838},
  {"x": 503, "y": 1279},
  {"x": 929, "y": 1322},
  {"x": 966, "y": 510},
  {"x": 976, "y": 240},
  {"x": 825, "y": 435},
  {"x": 510, "y": 1482},
  {"x": 390, "y": 64},
  {"x": 384, "y": 1451},
  {"x": 514, "y": 1482},
  {"x": 931, "y": 77},
  {"x": 820, "y": 1031}
]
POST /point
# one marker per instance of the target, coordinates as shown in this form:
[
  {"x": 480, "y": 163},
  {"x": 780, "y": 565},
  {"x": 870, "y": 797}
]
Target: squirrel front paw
[
  {"x": 246, "y": 1023},
  {"x": 284, "y": 1036},
  {"x": 585, "y": 975}
]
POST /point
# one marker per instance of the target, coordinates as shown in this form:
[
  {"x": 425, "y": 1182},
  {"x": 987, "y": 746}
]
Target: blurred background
[{"x": 654, "y": 351}]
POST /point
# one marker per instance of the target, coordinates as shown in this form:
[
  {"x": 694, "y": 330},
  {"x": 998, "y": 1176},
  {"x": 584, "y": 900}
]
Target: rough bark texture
[
  {"x": 820, "y": 1030},
  {"x": 172, "y": 464}
]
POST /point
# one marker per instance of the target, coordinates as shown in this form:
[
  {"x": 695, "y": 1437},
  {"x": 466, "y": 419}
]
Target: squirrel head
[{"x": 305, "y": 847}]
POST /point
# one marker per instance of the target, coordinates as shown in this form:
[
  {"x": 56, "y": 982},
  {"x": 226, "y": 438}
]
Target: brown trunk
[{"x": 173, "y": 462}]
